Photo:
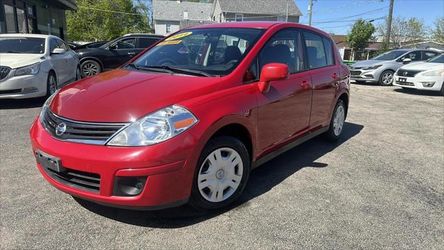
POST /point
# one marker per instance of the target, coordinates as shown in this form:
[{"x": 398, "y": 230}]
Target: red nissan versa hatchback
[{"x": 188, "y": 119}]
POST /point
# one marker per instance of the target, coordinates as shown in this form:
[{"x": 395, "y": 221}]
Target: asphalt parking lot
[{"x": 381, "y": 186}]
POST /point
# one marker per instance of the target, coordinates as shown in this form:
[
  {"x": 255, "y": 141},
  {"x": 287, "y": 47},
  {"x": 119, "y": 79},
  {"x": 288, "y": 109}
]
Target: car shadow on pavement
[
  {"x": 418, "y": 92},
  {"x": 262, "y": 180},
  {"x": 21, "y": 103}
]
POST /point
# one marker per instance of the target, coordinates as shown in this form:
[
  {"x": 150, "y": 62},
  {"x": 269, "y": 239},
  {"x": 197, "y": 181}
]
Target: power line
[
  {"x": 347, "y": 25},
  {"x": 354, "y": 20},
  {"x": 360, "y": 14}
]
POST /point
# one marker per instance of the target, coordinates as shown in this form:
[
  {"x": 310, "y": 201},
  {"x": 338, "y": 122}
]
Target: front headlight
[
  {"x": 46, "y": 106},
  {"x": 439, "y": 72},
  {"x": 32, "y": 69},
  {"x": 155, "y": 128},
  {"x": 372, "y": 67}
]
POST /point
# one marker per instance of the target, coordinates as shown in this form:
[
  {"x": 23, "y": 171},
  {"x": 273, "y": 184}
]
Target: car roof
[
  {"x": 143, "y": 34},
  {"x": 256, "y": 25},
  {"x": 26, "y": 35}
]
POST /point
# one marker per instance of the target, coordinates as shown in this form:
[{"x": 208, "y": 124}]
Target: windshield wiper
[
  {"x": 149, "y": 68},
  {"x": 180, "y": 70}
]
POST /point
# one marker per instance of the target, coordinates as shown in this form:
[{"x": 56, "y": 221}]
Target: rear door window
[
  {"x": 428, "y": 54},
  {"x": 146, "y": 42},
  {"x": 328, "y": 46},
  {"x": 316, "y": 55}
]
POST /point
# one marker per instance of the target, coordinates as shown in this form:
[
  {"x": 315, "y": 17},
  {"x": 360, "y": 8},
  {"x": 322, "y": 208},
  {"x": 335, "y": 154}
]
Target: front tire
[
  {"x": 90, "y": 68},
  {"x": 337, "y": 121},
  {"x": 51, "y": 84},
  {"x": 221, "y": 174},
  {"x": 386, "y": 78}
]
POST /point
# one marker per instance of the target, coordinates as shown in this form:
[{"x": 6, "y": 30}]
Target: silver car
[
  {"x": 382, "y": 68},
  {"x": 35, "y": 65}
]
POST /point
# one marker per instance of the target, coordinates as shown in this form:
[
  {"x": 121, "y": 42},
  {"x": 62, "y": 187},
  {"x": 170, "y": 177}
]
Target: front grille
[
  {"x": 407, "y": 73},
  {"x": 355, "y": 73},
  {"x": 4, "y": 72},
  {"x": 76, "y": 179},
  {"x": 76, "y": 131}
]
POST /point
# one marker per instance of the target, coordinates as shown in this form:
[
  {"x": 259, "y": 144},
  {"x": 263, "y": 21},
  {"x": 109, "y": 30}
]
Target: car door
[
  {"x": 324, "y": 75},
  {"x": 284, "y": 111},
  {"x": 57, "y": 61},
  {"x": 121, "y": 52}
]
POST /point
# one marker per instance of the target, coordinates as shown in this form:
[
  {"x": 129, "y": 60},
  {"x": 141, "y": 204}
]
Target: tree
[
  {"x": 404, "y": 31},
  {"x": 438, "y": 30},
  {"x": 360, "y": 34},
  {"x": 105, "y": 19}
]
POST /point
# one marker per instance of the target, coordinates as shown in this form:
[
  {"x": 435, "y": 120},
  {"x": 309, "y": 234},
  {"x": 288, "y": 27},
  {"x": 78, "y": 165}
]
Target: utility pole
[
  {"x": 286, "y": 13},
  {"x": 389, "y": 24},
  {"x": 310, "y": 11}
]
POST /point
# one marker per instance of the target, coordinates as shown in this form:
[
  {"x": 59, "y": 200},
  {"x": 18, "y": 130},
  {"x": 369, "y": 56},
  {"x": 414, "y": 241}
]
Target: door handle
[
  {"x": 131, "y": 53},
  {"x": 305, "y": 84}
]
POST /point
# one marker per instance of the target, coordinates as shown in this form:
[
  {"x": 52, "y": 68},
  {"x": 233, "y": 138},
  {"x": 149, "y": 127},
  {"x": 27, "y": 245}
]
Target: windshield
[
  {"x": 215, "y": 51},
  {"x": 437, "y": 59},
  {"x": 22, "y": 45},
  {"x": 390, "y": 55}
]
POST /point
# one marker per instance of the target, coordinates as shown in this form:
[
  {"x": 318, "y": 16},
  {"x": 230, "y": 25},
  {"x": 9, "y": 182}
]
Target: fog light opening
[
  {"x": 428, "y": 84},
  {"x": 129, "y": 186}
]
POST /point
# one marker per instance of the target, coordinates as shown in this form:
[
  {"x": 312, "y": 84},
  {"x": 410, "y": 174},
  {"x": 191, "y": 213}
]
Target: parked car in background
[
  {"x": 35, "y": 65},
  {"x": 382, "y": 68},
  {"x": 77, "y": 46},
  {"x": 423, "y": 75},
  {"x": 114, "y": 53},
  {"x": 187, "y": 120}
]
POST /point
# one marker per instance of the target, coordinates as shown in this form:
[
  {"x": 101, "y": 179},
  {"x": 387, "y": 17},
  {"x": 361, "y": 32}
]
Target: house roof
[
  {"x": 261, "y": 7},
  {"x": 174, "y": 10},
  {"x": 68, "y": 4}
]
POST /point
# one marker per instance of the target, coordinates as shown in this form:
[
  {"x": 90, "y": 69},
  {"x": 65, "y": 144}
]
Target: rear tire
[
  {"x": 337, "y": 121},
  {"x": 221, "y": 174}
]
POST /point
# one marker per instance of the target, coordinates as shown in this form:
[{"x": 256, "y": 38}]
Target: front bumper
[
  {"x": 20, "y": 87},
  {"x": 420, "y": 82},
  {"x": 168, "y": 168},
  {"x": 364, "y": 75}
]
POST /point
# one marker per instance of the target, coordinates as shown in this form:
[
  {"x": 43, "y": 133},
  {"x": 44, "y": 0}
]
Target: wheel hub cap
[{"x": 220, "y": 175}]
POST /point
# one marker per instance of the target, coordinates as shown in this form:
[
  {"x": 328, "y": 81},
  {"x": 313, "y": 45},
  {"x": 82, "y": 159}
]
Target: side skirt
[{"x": 289, "y": 146}]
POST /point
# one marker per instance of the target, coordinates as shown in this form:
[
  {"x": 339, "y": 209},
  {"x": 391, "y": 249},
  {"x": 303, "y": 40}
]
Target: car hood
[
  {"x": 367, "y": 63},
  {"x": 19, "y": 60},
  {"x": 422, "y": 66},
  {"x": 125, "y": 95}
]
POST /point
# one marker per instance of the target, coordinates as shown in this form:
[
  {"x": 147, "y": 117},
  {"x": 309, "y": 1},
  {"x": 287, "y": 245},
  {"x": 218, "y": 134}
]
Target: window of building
[
  {"x": 21, "y": 18},
  {"x": 168, "y": 28},
  {"x": 9, "y": 16},
  {"x": 238, "y": 17}
]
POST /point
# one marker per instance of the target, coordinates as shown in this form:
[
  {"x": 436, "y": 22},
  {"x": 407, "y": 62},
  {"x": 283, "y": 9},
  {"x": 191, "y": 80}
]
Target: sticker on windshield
[
  {"x": 179, "y": 36},
  {"x": 169, "y": 43}
]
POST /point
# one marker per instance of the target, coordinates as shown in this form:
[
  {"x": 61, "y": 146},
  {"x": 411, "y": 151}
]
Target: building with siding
[{"x": 35, "y": 16}]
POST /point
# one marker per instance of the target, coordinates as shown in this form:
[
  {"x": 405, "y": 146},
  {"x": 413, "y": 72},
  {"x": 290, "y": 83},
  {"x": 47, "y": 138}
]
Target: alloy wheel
[
  {"x": 220, "y": 175},
  {"x": 90, "y": 69},
  {"x": 387, "y": 78},
  {"x": 52, "y": 84},
  {"x": 338, "y": 120}
]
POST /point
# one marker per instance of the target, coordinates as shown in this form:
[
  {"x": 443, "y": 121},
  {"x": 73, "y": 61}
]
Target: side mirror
[
  {"x": 406, "y": 60},
  {"x": 58, "y": 51},
  {"x": 272, "y": 72}
]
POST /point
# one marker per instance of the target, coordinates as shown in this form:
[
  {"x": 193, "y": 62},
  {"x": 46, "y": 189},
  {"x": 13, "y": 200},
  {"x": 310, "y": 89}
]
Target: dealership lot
[{"x": 380, "y": 186}]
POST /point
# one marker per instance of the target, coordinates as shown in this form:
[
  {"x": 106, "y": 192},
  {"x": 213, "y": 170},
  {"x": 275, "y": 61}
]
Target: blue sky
[{"x": 329, "y": 14}]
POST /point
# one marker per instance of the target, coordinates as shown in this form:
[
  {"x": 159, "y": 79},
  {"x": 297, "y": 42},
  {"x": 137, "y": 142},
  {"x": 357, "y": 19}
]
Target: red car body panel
[{"x": 299, "y": 104}]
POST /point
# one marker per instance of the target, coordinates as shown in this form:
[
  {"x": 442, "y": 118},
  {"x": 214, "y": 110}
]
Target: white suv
[{"x": 35, "y": 65}]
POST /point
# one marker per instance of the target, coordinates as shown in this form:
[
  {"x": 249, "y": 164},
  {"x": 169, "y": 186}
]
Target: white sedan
[
  {"x": 422, "y": 75},
  {"x": 35, "y": 65}
]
